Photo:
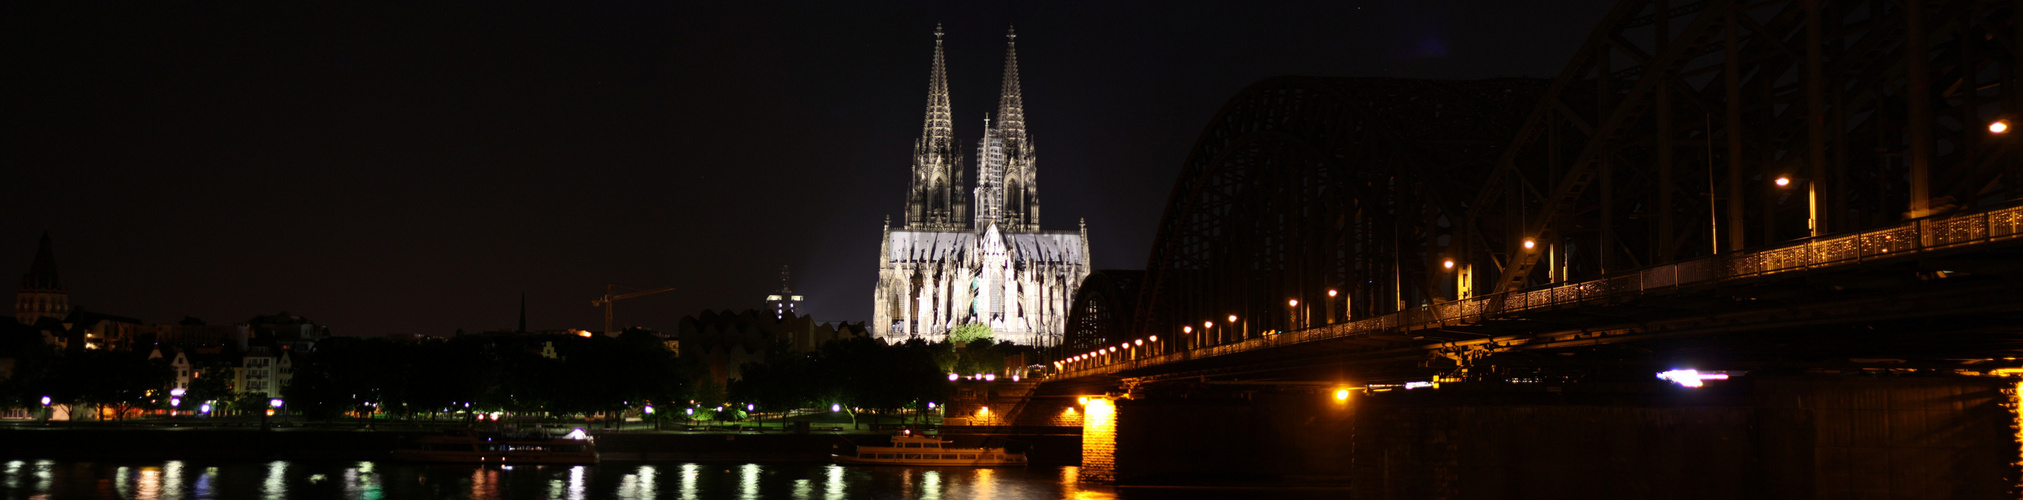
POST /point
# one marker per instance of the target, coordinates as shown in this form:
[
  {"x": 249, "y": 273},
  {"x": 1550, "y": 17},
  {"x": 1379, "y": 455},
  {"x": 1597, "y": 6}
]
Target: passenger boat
[
  {"x": 911, "y": 449},
  {"x": 482, "y": 447}
]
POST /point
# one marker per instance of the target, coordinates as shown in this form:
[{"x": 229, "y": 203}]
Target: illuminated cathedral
[{"x": 949, "y": 266}]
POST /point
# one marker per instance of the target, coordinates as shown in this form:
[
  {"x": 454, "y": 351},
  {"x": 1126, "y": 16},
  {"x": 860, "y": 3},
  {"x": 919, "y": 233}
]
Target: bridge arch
[{"x": 1303, "y": 185}]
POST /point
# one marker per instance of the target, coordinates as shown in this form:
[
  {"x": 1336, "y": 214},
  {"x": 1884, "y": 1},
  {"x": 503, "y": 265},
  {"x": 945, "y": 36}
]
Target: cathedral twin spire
[
  {"x": 937, "y": 200},
  {"x": 1006, "y": 193}
]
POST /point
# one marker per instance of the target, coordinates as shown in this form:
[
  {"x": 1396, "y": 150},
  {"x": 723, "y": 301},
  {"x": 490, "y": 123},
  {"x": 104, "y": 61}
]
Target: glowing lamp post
[{"x": 1811, "y": 203}]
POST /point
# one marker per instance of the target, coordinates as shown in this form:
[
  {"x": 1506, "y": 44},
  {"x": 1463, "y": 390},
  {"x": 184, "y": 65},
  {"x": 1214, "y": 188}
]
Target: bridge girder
[
  {"x": 1304, "y": 185},
  {"x": 1664, "y": 134}
]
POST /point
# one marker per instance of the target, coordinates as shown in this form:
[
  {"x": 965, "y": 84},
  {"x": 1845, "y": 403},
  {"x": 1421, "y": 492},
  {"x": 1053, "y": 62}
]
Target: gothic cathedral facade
[{"x": 948, "y": 266}]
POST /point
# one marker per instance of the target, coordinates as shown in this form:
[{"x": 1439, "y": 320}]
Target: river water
[{"x": 292, "y": 479}]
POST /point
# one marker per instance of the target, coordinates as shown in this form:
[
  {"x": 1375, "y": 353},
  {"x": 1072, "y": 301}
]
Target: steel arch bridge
[{"x": 1679, "y": 131}]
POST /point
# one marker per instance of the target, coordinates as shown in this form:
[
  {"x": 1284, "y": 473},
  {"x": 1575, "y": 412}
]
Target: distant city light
[
  {"x": 206, "y": 408},
  {"x": 751, "y": 407},
  {"x": 177, "y": 392},
  {"x": 952, "y": 377},
  {"x": 276, "y": 402},
  {"x": 177, "y": 402},
  {"x": 649, "y": 409},
  {"x": 1292, "y": 303},
  {"x": 1417, "y": 385},
  {"x": 1691, "y": 377},
  {"x": 1154, "y": 338},
  {"x": 1783, "y": 181},
  {"x": 1528, "y": 244},
  {"x": 1341, "y": 394},
  {"x": 835, "y": 407},
  {"x": 990, "y": 377},
  {"x": 1331, "y": 292},
  {"x": 1998, "y": 127},
  {"x": 45, "y": 401},
  {"x": 576, "y": 434},
  {"x": 690, "y": 411},
  {"x": 1449, "y": 263}
]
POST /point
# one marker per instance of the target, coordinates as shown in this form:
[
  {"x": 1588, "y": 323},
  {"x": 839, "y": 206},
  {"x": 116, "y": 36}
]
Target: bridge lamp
[
  {"x": 1341, "y": 394},
  {"x": 1138, "y": 342},
  {"x": 1811, "y": 203},
  {"x": 1154, "y": 338},
  {"x": 1331, "y": 293},
  {"x": 1292, "y": 303},
  {"x": 1528, "y": 244},
  {"x": 1999, "y": 126},
  {"x": 1448, "y": 264},
  {"x": 1082, "y": 400},
  {"x": 1185, "y": 329},
  {"x": 1210, "y": 324},
  {"x": 1232, "y": 318}
]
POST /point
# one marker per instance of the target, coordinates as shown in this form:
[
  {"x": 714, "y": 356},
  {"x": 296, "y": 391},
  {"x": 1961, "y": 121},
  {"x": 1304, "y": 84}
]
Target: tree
[{"x": 969, "y": 333}]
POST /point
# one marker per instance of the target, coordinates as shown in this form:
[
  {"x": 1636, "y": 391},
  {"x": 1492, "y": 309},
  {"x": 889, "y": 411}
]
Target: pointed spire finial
[
  {"x": 937, "y": 32},
  {"x": 1012, "y": 33}
]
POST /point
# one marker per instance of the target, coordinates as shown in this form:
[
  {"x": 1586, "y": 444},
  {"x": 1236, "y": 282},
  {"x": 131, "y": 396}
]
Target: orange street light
[
  {"x": 1999, "y": 126},
  {"x": 1783, "y": 181}
]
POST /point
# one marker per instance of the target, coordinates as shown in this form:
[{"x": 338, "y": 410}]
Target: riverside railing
[{"x": 1909, "y": 238}]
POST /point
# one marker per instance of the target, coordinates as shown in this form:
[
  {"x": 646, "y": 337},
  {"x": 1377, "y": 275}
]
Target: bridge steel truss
[
  {"x": 1659, "y": 143},
  {"x": 1662, "y": 140},
  {"x": 1305, "y": 187}
]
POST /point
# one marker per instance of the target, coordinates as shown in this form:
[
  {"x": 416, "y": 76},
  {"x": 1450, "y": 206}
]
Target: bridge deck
[{"x": 1910, "y": 240}]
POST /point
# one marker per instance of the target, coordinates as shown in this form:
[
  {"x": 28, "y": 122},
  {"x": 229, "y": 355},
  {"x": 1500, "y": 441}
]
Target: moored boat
[
  {"x": 478, "y": 447},
  {"x": 911, "y": 449}
]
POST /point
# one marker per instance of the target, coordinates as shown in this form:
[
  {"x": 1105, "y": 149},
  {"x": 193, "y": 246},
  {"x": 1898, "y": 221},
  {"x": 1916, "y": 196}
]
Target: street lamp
[
  {"x": 1999, "y": 126},
  {"x": 1811, "y": 201},
  {"x": 1292, "y": 319},
  {"x": 1331, "y": 306}
]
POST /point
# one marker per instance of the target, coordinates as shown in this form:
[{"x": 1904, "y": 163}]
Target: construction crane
[{"x": 611, "y": 295}]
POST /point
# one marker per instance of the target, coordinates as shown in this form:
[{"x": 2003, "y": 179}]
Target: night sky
[{"x": 415, "y": 169}]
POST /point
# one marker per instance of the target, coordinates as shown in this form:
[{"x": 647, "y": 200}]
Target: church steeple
[
  {"x": 41, "y": 295},
  {"x": 937, "y": 199},
  {"x": 1007, "y": 165}
]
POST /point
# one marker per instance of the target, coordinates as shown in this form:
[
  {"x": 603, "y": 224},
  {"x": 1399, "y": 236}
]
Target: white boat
[
  {"x": 474, "y": 447},
  {"x": 912, "y": 449}
]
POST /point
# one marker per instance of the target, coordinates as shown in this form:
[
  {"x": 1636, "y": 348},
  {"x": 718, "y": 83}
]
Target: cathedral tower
[
  {"x": 1007, "y": 191},
  {"x": 944, "y": 269},
  {"x": 937, "y": 199},
  {"x": 41, "y": 296}
]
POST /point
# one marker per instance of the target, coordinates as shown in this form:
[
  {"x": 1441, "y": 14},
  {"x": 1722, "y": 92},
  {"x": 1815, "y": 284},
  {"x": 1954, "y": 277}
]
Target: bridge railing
[{"x": 1909, "y": 238}]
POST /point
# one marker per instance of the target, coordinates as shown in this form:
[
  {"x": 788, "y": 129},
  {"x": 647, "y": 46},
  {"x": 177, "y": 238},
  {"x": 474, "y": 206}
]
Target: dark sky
[{"x": 415, "y": 169}]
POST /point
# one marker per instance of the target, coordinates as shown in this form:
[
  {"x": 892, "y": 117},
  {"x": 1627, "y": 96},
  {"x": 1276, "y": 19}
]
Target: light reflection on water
[{"x": 183, "y": 479}]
